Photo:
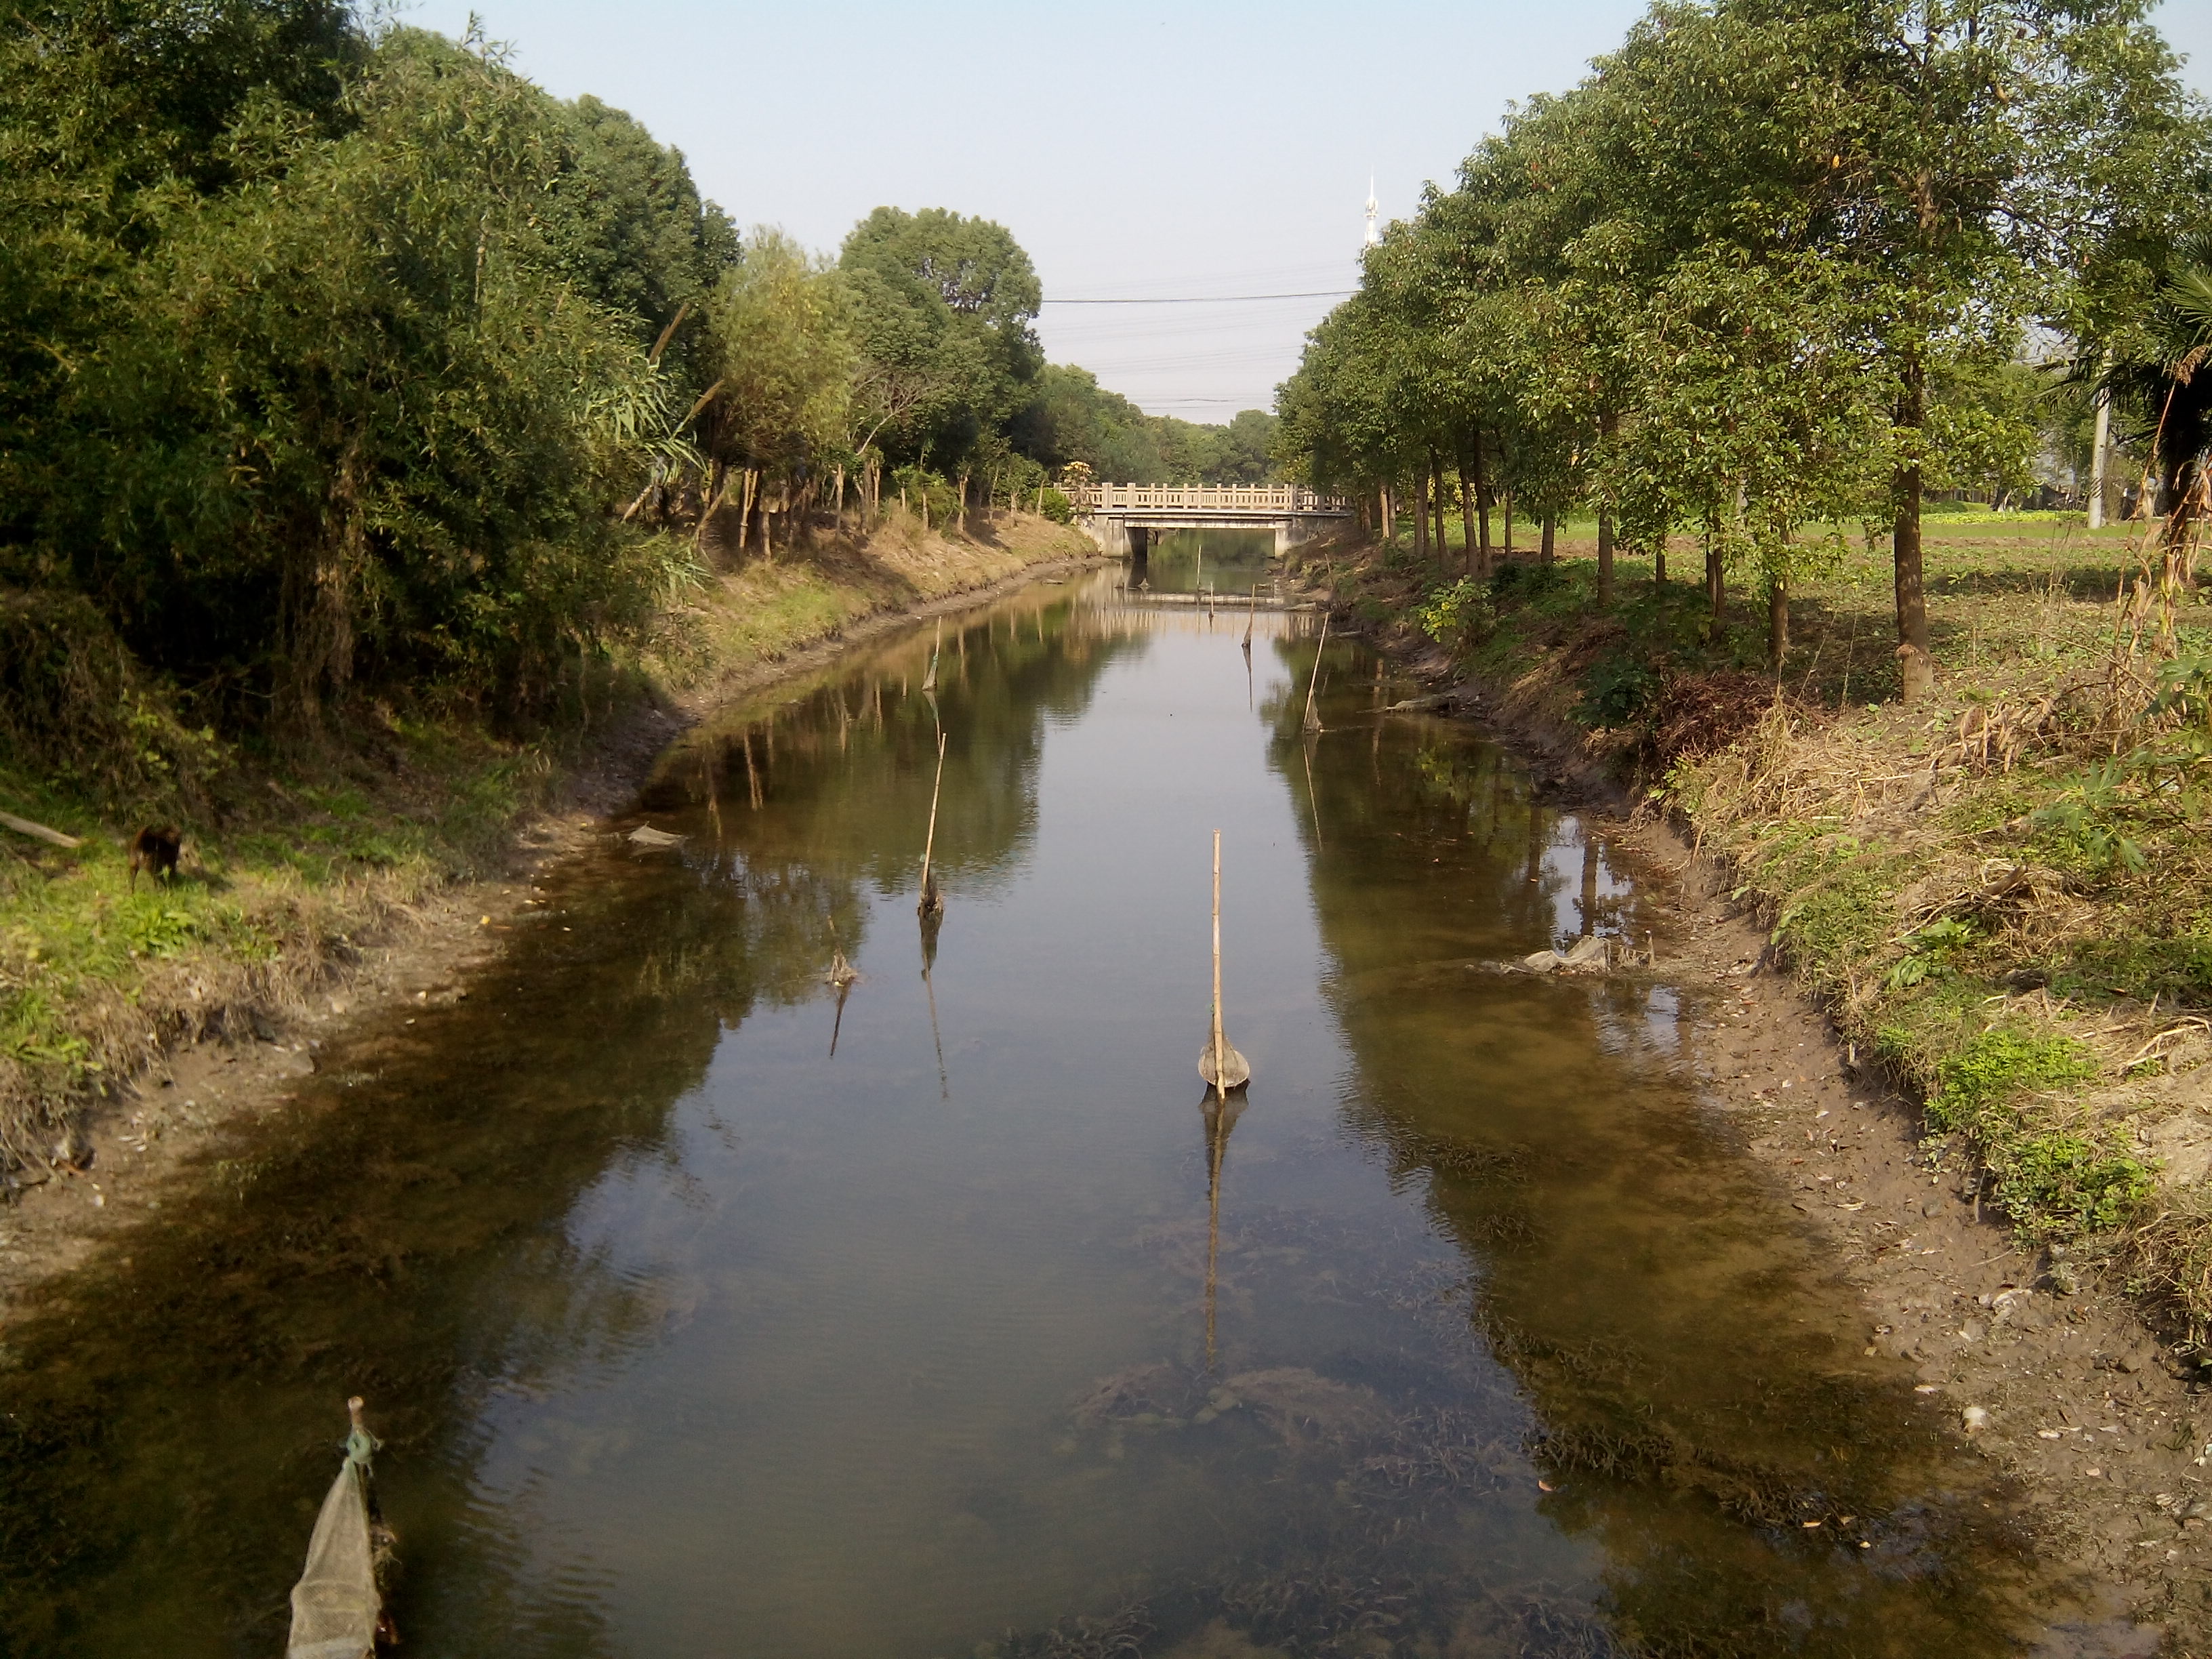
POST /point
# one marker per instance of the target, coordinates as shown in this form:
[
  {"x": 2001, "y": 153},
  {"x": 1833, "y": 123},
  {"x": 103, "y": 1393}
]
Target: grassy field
[
  {"x": 2003, "y": 891},
  {"x": 294, "y": 856}
]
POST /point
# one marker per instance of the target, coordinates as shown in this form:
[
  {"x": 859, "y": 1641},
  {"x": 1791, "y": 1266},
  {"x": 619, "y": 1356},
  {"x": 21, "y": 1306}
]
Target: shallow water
[
  {"x": 1227, "y": 563},
  {"x": 686, "y": 1335}
]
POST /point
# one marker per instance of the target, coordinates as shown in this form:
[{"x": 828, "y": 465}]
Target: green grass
[{"x": 95, "y": 971}]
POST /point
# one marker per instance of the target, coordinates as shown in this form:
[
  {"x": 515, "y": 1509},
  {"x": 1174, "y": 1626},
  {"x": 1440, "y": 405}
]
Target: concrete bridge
[{"x": 1123, "y": 519}]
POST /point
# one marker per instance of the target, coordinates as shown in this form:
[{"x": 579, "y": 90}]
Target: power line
[{"x": 1213, "y": 298}]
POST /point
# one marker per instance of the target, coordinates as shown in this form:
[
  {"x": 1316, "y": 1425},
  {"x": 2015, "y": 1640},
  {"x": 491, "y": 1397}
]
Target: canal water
[
  {"x": 704, "y": 1310},
  {"x": 1230, "y": 564}
]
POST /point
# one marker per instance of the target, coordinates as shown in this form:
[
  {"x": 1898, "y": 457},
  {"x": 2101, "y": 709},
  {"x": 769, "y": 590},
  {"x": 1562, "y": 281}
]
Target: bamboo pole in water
[
  {"x": 1312, "y": 721},
  {"x": 931, "y": 900},
  {"x": 1221, "y": 1065},
  {"x": 929, "y": 680}
]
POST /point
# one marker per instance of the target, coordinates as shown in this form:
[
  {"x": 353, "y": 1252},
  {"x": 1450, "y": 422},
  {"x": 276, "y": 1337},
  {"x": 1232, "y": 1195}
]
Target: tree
[
  {"x": 777, "y": 341},
  {"x": 638, "y": 238},
  {"x": 2166, "y": 386},
  {"x": 348, "y": 423},
  {"x": 942, "y": 307}
]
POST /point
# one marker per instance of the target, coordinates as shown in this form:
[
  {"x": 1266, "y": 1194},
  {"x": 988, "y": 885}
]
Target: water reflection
[
  {"x": 1634, "y": 1281},
  {"x": 1226, "y": 564},
  {"x": 685, "y": 1337}
]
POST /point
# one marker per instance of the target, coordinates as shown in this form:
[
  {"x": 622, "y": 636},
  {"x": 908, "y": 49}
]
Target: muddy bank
[
  {"x": 2040, "y": 1362},
  {"x": 142, "y": 1143}
]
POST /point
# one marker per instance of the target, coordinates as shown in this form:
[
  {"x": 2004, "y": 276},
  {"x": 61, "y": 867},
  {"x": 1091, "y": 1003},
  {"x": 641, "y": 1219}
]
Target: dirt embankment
[
  {"x": 2040, "y": 1358},
  {"x": 130, "y": 1148}
]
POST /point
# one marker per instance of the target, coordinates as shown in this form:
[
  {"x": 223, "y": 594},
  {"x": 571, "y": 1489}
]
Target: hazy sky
[{"x": 1211, "y": 147}]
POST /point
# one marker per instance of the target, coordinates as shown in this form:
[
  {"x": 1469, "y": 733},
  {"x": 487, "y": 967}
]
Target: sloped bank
[
  {"x": 2019, "y": 1310},
  {"x": 144, "y": 1021}
]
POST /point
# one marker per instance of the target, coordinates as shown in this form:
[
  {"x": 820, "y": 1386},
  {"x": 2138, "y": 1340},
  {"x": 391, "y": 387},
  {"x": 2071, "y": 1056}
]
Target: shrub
[
  {"x": 1058, "y": 508},
  {"x": 76, "y": 709},
  {"x": 1999, "y": 1063},
  {"x": 1616, "y": 688},
  {"x": 1458, "y": 617},
  {"x": 2066, "y": 1182}
]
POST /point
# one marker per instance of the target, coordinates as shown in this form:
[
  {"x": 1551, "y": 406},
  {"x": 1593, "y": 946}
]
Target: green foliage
[
  {"x": 2056, "y": 1179},
  {"x": 1458, "y": 616},
  {"x": 1058, "y": 508},
  {"x": 347, "y": 421},
  {"x": 1616, "y": 689},
  {"x": 2083, "y": 828},
  {"x": 639, "y": 239},
  {"x": 152, "y": 927},
  {"x": 78, "y": 711},
  {"x": 1766, "y": 267},
  {"x": 2185, "y": 696},
  {"x": 2066, "y": 1183},
  {"x": 1930, "y": 950},
  {"x": 1996, "y": 1064},
  {"x": 923, "y": 492},
  {"x": 780, "y": 353},
  {"x": 1070, "y": 418},
  {"x": 941, "y": 307}
]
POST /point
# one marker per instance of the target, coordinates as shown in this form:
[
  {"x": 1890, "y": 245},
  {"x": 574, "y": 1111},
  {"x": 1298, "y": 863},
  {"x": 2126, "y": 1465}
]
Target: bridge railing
[{"x": 1254, "y": 499}]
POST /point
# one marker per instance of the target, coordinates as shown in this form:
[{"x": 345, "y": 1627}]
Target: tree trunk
[
  {"x": 1505, "y": 545},
  {"x": 961, "y": 521},
  {"x": 1659, "y": 564},
  {"x": 1436, "y": 473},
  {"x": 840, "y": 512},
  {"x": 1481, "y": 510},
  {"x": 2100, "y": 440},
  {"x": 1467, "y": 509},
  {"x": 1917, "y": 668},
  {"x": 745, "y": 508},
  {"x": 1421, "y": 516},
  {"x": 1777, "y": 621},
  {"x": 1551, "y": 536},
  {"x": 1608, "y": 424},
  {"x": 1716, "y": 592},
  {"x": 2185, "y": 505}
]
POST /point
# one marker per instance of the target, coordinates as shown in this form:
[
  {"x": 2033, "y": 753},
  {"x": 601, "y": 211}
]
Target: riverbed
[{"x": 704, "y": 1307}]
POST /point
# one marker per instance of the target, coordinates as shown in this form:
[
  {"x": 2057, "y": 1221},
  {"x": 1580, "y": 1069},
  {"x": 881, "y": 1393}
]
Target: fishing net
[{"x": 335, "y": 1605}]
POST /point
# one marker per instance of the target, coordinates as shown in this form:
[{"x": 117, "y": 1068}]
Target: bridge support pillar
[{"x": 1110, "y": 536}]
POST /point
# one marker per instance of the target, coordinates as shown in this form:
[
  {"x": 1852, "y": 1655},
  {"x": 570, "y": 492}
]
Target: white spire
[{"x": 1374, "y": 234}]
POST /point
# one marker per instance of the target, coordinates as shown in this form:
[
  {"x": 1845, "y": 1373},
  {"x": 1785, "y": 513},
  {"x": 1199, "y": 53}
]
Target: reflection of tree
[
  {"x": 400, "y": 1235},
  {"x": 1697, "y": 1404},
  {"x": 845, "y": 768},
  {"x": 166, "y": 1426},
  {"x": 1228, "y": 561}
]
